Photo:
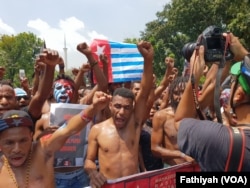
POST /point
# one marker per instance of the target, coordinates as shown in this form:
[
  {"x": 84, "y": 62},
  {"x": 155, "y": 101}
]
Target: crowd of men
[{"x": 124, "y": 128}]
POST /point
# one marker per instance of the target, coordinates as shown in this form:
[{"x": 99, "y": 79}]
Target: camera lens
[
  {"x": 188, "y": 50},
  {"x": 217, "y": 32}
]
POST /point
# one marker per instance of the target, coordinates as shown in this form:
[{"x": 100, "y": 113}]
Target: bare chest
[
  {"x": 28, "y": 176},
  {"x": 170, "y": 132},
  {"x": 11, "y": 179},
  {"x": 114, "y": 142}
]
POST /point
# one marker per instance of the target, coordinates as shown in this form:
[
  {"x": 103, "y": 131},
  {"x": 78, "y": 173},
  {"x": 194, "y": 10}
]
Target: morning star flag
[{"x": 125, "y": 61}]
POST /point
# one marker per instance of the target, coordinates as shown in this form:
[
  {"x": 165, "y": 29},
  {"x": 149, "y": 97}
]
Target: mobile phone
[{"x": 21, "y": 73}]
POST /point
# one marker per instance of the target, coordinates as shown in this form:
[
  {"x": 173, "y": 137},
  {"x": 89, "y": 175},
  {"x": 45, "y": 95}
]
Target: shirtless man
[
  {"x": 164, "y": 134},
  {"x": 115, "y": 141},
  {"x": 28, "y": 164},
  {"x": 65, "y": 90}
]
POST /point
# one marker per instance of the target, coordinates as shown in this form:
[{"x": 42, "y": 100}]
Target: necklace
[{"x": 27, "y": 171}]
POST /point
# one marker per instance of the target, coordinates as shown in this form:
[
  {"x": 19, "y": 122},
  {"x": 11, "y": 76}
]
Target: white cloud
[
  {"x": 78, "y": 21},
  {"x": 71, "y": 29},
  {"x": 94, "y": 35},
  {"x": 6, "y": 29},
  {"x": 38, "y": 24},
  {"x": 71, "y": 24}
]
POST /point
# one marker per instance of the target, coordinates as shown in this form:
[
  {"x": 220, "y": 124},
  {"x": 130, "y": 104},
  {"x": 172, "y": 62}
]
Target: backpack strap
[{"x": 236, "y": 149}]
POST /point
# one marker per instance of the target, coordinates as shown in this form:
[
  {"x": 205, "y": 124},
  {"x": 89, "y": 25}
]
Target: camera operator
[{"x": 202, "y": 139}]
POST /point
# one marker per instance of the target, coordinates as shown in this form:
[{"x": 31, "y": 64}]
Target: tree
[
  {"x": 166, "y": 41},
  {"x": 19, "y": 53},
  {"x": 131, "y": 40},
  {"x": 192, "y": 17},
  {"x": 183, "y": 21}
]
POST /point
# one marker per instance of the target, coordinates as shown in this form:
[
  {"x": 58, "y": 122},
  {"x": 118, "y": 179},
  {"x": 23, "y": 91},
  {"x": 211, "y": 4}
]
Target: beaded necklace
[{"x": 10, "y": 171}]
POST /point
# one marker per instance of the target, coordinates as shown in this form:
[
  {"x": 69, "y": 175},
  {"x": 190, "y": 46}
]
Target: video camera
[{"x": 214, "y": 43}]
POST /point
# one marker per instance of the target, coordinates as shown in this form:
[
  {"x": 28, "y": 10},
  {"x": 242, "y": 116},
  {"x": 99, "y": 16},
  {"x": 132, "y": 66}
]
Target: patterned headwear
[
  {"x": 15, "y": 118},
  {"x": 20, "y": 92},
  {"x": 242, "y": 71}
]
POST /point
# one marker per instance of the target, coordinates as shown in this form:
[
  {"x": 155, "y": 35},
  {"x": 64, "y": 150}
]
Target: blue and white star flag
[{"x": 125, "y": 61}]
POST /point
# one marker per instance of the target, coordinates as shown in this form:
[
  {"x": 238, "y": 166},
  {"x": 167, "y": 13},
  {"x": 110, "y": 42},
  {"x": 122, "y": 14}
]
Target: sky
[{"x": 77, "y": 21}]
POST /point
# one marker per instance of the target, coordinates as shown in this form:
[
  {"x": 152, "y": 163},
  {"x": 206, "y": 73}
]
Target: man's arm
[
  {"x": 197, "y": 64},
  {"x": 39, "y": 68},
  {"x": 76, "y": 123},
  {"x": 90, "y": 165},
  {"x": 186, "y": 107},
  {"x": 102, "y": 83},
  {"x": 99, "y": 75},
  {"x": 97, "y": 179},
  {"x": 61, "y": 66},
  {"x": 157, "y": 139},
  {"x": 141, "y": 161},
  {"x": 50, "y": 58},
  {"x": 147, "y": 51},
  {"x": 157, "y": 134},
  {"x": 168, "y": 77},
  {"x": 85, "y": 68},
  {"x": 105, "y": 62},
  {"x": 170, "y": 73},
  {"x": 25, "y": 85}
]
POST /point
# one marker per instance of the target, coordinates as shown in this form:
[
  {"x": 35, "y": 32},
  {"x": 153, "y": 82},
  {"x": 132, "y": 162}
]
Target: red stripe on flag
[{"x": 98, "y": 47}]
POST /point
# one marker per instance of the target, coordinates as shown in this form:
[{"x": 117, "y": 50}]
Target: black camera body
[{"x": 214, "y": 43}]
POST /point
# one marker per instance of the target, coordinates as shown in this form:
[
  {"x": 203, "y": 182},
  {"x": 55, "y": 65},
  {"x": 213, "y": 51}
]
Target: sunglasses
[{"x": 25, "y": 97}]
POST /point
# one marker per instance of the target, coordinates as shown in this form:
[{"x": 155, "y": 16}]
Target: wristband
[
  {"x": 93, "y": 64},
  {"x": 84, "y": 117}
]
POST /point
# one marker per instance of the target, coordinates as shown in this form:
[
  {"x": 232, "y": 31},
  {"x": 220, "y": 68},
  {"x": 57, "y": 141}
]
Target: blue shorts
[{"x": 75, "y": 179}]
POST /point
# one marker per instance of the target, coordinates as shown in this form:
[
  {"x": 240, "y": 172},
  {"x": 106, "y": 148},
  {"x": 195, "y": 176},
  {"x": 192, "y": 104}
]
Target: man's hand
[
  {"x": 236, "y": 47},
  {"x": 97, "y": 179},
  {"x": 61, "y": 62},
  {"x": 24, "y": 82},
  {"x": 75, "y": 71},
  {"x": 85, "y": 68},
  {"x": 49, "y": 57},
  {"x": 146, "y": 50},
  {"x": 169, "y": 62},
  {"x": 103, "y": 58},
  {"x": 189, "y": 159},
  {"x": 172, "y": 74},
  {"x": 39, "y": 67},
  {"x": 101, "y": 100},
  {"x": 84, "y": 48},
  {"x": 197, "y": 63}
]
